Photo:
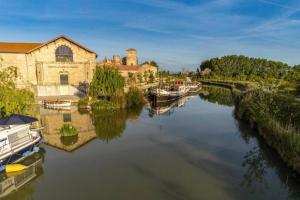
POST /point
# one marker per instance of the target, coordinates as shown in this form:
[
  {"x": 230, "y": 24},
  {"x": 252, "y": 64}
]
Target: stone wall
[
  {"x": 40, "y": 67},
  {"x": 17, "y": 60},
  {"x": 48, "y": 70}
]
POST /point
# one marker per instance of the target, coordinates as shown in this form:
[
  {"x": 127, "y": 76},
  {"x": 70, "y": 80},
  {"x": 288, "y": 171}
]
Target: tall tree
[{"x": 106, "y": 82}]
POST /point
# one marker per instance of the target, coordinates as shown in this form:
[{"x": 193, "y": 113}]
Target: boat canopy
[{"x": 16, "y": 119}]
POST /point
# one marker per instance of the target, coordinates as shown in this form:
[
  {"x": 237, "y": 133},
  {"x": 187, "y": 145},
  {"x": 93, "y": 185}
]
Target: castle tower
[
  {"x": 117, "y": 59},
  {"x": 131, "y": 57}
]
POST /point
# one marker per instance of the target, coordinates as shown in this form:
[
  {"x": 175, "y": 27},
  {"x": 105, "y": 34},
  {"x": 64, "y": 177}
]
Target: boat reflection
[
  {"x": 167, "y": 108},
  {"x": 10, "y": 183},
  {"x": 53, "y": 120}
]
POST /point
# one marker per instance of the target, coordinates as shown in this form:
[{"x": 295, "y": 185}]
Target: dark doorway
[{"x": 64, "y": 79}]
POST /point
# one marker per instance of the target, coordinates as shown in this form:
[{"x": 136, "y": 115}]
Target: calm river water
[{"x": 195, "y": 150}]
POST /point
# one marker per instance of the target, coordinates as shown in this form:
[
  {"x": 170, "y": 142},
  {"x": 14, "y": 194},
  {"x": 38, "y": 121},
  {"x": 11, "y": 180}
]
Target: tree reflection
[
  {"x": 262, "y": 159},
  {"x": 134, "y": 113},
  {"x": 109, "y": 124},
  {"x": 219, "y": 95},
  {"x": 256, "y": 168}
]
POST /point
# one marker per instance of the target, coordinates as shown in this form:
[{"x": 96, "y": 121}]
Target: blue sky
[{"x": 176, "y": 33}]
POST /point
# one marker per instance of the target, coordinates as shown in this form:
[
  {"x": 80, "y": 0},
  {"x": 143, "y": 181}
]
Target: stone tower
[
  {"x": 117, "y": 59},
  {"x": 131, "y": 57}
]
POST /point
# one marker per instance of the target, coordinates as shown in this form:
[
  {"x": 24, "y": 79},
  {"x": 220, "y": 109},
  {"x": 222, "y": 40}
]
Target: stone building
[
  {"x": 131, "y": 57},
  {"x": 129, "y": 64},
  {"x": 56, "y": 67}
]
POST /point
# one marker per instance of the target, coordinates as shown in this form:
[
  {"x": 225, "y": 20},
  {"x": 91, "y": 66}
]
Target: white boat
[
  {"x": 194, "y": 87},
  {"x": 175, "y": 92},
  {"x": 17, "y": 142},
  {"x": 57, "y": 104}
]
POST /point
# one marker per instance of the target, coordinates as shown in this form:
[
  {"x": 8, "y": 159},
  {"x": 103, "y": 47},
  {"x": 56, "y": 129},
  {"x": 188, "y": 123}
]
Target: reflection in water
[
  {"x": 167, "y": 108},
  {"x": 198, "y": 140},
  {"x": 256, "y": 168},
  {"x": 53, "y": 120},
  {"x": 104, "y": 125},
  {"x": 16, "y": 185},
  {"x": 222, "y": 96},
  {"x": 109, "y": 124},
  {"x": 69, "y": 140},
  {"x": 261, "y": 160}
]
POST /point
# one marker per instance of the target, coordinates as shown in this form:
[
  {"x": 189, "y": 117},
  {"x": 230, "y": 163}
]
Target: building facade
[
  {"x": 129, "y": 64},
  {"x": 58, "y": 62}
]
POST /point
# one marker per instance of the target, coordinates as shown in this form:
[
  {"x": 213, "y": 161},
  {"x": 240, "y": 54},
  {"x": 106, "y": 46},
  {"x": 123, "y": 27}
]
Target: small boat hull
[{"x": 20, "y": 155}]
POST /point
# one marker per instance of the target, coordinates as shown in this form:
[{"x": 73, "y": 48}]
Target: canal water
[{"x": 194, "y": 149}]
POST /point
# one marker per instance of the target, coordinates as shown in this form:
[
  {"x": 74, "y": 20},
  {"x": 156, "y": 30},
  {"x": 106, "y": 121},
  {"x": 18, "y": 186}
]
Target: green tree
[
  {"x": 151, "y": 77},
  {"x": 106, "y": 82},
  {"x": 13, "y": 100},
  {"x": 247, "y": 68}
]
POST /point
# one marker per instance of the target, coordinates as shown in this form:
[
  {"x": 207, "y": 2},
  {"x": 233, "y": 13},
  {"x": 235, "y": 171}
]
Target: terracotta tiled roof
[
  {"x": 11, "y": 47},
  {"x": 66, "y": 38},
  {"x": 121, "y": 67},
  {"x": 128, "y": 67}
]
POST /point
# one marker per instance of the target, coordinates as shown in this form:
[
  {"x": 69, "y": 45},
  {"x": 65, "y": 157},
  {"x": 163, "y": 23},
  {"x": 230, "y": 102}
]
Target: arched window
[{"x": 64, "y": 54}]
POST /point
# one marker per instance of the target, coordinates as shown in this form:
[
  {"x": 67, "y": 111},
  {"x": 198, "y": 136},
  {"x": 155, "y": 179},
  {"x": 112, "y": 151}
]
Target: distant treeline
[{"x": 247, "y": 68}]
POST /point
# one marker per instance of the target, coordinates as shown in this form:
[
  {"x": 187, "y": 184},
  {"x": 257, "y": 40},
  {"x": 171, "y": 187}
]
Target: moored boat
[
  {"x": 17, "y": 140},
  {"x": 194, "y": 88},
  {"x": 175, "y": 92}
]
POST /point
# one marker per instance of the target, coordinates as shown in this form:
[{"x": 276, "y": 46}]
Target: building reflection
[
  {"x": 105, "y": 125},
  {"x": 16, "y": 185},
  {"x": 53, "y": 120}
]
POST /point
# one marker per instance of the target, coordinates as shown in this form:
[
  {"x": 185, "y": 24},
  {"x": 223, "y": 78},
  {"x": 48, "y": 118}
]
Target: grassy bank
[
  {"x": 277, "y": 119},
  {"x": 230, "y": 84}
]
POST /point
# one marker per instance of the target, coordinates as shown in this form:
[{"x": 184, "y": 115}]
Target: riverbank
[
  {"x": 240, "y": 85},
  {"x": 275, "y": 116},
  {"x": 277, "y": 119}
]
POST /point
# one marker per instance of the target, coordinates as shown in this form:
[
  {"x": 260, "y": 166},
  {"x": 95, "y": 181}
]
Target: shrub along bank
[
  {"x": 107, "y": 92},
  {"x": 277, "y": 119}
]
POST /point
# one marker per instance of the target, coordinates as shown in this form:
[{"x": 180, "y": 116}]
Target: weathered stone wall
[
  {"x": 48, "y": 70},
  {"x": 17, "y": 60},
  {"x": 147, "y": 68},
  {"x": 40, "y": 67}
]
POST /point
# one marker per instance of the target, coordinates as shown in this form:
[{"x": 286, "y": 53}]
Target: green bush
[
  {"x": 83, "y": 102},
  {"x": 118, "y": 99},
  {"x": 13, "y": 100},
  {"x": 105, "y": 105},
  {"x": 277, "y": 119},
  {"x": 134, "y": 98},
  {"x": 68, "y": 130}
]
